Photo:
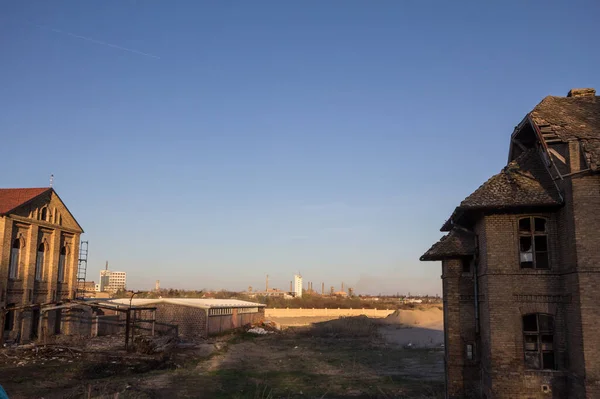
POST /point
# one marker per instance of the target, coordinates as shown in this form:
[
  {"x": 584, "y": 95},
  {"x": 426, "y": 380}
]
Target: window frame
[
  {"x": 62, "y": 262},
  {"x": 470, "y": 351},
  {"x": 536, "y": 339},
  {"x": 466, "y": 262},
  {"x": 39, "y": 262},
  {"x": 532, "y": 234},
  {"x": 15, "y": 259}
]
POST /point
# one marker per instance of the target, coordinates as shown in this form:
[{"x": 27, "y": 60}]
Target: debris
[
  {"x": 259, "y": 331},
  {"x": 158, "y": 344}
]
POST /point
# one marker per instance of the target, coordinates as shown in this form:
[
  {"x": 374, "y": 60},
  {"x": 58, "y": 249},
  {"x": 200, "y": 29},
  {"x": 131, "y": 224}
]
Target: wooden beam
[{"x": 557, "y": 155}]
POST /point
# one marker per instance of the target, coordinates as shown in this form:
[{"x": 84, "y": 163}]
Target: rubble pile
[
  {"x": 157, "y": 344},
  {"x": 33, "y": 354},
  {"x": 264, "y": 327}
]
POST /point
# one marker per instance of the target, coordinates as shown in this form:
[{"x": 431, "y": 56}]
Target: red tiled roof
[{"x": 11, "y": 198}]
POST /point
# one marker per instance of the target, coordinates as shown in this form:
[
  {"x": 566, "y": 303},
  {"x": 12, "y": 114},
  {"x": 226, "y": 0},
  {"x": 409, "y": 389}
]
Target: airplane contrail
[{"x": 89, "y": 39}]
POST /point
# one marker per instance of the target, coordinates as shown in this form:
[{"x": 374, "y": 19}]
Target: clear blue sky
[{"x": 206, "y": 144}]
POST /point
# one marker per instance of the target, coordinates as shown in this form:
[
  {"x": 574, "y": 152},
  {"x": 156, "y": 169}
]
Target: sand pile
[{"x": 432, "y": 318}]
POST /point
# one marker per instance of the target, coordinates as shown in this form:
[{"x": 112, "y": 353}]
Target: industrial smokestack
[
  {"x": 322, "y": 288},
  {"x": 342, "y": 286},
  {"x": 291, "y": 286},
  {"x": 267, "y": 283}
]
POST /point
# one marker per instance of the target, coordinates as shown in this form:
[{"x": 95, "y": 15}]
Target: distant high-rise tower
[
  {"x": 157, "y": 285},
  {"x": 298, "y": 286}
]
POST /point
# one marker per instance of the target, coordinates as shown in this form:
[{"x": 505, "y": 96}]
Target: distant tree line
[{"x": 307, "y": 301}]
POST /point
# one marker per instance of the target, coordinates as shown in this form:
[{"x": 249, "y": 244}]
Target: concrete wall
[{"x": 326, "y": 312}]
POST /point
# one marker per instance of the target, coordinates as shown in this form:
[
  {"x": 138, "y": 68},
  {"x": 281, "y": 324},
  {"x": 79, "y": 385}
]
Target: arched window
[
  {"x": 538, "y": 341},
  {"x": 39, "y": 262},
  {"x": 14, "y": 259},
  {"x": 61, "y": 264},
  {"x": 533, "y": 243},
  {"x": 44, "y": 214}
]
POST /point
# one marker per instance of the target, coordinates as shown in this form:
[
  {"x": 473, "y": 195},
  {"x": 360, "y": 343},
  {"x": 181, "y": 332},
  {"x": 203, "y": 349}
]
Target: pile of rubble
[
  {"x": 263, "y": 328},
  {"x": 23, "y": 355},
  {"x": 157, "y": 344}
]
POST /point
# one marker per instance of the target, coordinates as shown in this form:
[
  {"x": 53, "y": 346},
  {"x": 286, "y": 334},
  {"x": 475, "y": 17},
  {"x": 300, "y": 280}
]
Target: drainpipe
[{"x": 475, "y": 285}]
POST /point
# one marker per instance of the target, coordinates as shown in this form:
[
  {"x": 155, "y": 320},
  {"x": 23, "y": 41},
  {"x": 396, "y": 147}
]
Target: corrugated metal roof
[{"x": 193, "y": 302}]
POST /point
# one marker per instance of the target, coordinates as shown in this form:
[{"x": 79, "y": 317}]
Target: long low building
[{"x": 195, "y": 317}]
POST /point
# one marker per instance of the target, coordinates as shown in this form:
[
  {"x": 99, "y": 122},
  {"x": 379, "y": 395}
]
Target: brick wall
[
  {"x": 459, "y": 329},
  {"x": 586, "y": 215},
  {"x": 191, "y": 321},
  {"x": 25, "y": 290}
]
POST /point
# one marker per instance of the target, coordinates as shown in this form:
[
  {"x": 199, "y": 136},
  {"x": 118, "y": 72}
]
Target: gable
[
  {"x": 11, "y": 198},
  {"x": 48, "y": 208}
]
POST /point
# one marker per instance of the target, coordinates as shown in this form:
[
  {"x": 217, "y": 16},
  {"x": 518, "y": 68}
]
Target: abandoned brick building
[
  {"x": 39, "y": 247},
  {"x": 521, "y": 264}
]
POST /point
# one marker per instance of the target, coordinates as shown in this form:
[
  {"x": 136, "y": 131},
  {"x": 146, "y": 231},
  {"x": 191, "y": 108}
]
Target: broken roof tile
[
  {"x": 572, "y": 118},
  {"x": 457, "y": 243},
  {"x": 524, "y": 182}
]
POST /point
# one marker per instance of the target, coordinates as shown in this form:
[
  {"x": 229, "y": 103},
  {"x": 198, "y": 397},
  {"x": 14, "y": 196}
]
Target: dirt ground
[
  {"x": 346, "y": 358},
  {"x": 422, "y": 328}
]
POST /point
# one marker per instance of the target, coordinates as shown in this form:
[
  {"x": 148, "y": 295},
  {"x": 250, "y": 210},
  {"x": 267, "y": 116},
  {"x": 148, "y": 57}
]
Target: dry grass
[{"x": 346, "y": 327}]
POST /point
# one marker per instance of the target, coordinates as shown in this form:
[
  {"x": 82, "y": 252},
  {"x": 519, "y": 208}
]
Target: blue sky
[{"x": 207, "y": 144}]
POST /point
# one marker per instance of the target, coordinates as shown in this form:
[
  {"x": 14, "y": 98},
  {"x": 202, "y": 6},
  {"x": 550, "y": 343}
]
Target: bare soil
[{"x": 349, "y": 358}]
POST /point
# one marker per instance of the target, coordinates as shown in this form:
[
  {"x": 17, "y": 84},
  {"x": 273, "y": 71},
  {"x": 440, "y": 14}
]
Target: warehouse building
[{"x": 195, "y": 317}]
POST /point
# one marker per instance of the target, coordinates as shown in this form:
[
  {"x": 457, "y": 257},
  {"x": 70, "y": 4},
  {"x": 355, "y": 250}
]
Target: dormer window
[{"x": 533, "y": 243}]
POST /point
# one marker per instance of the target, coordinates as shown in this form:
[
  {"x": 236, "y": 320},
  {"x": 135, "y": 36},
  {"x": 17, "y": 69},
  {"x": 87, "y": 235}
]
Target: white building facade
[
  {"x": 112, "y": 281},
  {"x": 298, "y": 286}
]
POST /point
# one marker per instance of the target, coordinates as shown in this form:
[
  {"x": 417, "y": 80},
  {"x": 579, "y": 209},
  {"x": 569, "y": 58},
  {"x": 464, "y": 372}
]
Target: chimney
[{"x": 588, "y": 92}]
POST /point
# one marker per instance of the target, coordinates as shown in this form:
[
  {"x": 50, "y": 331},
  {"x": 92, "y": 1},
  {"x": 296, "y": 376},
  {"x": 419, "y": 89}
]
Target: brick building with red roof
[{"x": 39, "y": 246}]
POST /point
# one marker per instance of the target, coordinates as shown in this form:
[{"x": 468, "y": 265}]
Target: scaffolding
[{"x": 82, "y": 269}]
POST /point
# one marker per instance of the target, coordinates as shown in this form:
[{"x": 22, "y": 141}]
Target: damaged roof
[
  {"x": 458, "y": 242},
  {"x": 524, "y": 182},
  {"x": 575, "y": 117}
]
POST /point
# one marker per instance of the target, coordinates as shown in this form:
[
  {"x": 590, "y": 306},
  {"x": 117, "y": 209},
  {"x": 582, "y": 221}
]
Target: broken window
[
  {"x": 466, "y": 265},
  {"x": 533, "y": 243},
  {"x": 9, "y": 319},
  {"x": 39, "y": 262},
  {"x": 14, "y": 259},
  {"x": 61, "y": 264},
  {"x": 538, "y": 341}
]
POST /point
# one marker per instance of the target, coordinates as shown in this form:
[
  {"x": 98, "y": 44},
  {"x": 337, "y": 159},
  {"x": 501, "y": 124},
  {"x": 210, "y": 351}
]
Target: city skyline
[{"x": 207, "y": 144}]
